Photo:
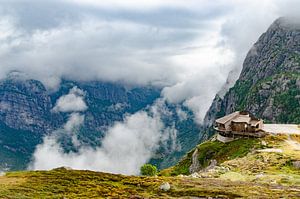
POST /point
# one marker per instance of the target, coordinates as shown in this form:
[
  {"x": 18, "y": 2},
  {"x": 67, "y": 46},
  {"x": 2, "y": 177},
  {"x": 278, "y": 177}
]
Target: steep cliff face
[
  {"x": 26, "y": 116},
  {"x": 269, "y": 84},
  {"x": 24, "y": 104}
]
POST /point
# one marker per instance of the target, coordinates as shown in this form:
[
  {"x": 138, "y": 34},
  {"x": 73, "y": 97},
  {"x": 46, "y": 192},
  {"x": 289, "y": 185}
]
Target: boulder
[{"x": 165, "y": 186}]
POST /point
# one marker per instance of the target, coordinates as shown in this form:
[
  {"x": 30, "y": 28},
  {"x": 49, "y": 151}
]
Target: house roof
[
  {"x": 239, "y": 117},
  {"x": 254, "y": 122},
  {"x": 227, "y": 118},
  {"x": 242, "y": 119}
]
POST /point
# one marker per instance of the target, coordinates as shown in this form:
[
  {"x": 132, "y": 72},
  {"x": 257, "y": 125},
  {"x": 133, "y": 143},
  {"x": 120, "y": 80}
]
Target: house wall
[
  {"x": 240, "y": 127},
  {"x": 261, "y": 124},
  {"x": 228, "y": 125},
  {"x": 221, "y": 126}
]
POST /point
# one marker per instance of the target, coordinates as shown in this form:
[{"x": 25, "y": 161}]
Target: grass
[
  {"x": 62, "y": 183},
  {"x": 214, "y": 150}
]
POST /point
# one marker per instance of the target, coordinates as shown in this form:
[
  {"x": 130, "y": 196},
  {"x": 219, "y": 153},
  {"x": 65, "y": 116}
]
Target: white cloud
[
  {"x": 74, "y": 101},
  {"x": 75, "y": 120},
  {"x": 187, "y": 47},
  {"x": 125, "y": 148}
]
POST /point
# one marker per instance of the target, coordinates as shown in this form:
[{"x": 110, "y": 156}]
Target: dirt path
[{"x": 282, "y": 128}]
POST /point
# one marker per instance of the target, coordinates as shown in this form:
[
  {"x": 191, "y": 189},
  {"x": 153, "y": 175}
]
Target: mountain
[
  {"x": 26, "y": 116},
  {"x": 269, "y": 84},
  {"x": 268, "y": 87}
]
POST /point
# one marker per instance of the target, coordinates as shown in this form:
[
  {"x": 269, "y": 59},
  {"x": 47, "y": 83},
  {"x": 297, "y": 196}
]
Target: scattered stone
[
  {"x": 296, "y": 164},
  {"x": 195, "y": 175},
  {"x": 258, "y": 176},
  {"x": 212, "y": 165},
  {"x": 165, "y": 186}
]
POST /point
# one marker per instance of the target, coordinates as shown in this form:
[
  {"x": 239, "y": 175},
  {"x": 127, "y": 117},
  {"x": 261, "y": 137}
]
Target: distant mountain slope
[
  {"x": 26, "y": 116},
  {"x": 269, "y": 84}
]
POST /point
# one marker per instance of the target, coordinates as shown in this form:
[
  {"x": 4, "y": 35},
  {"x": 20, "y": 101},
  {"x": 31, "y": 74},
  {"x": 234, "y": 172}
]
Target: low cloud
[
  {"x": 190, "y": 49},
  {"x": 72, "y": 102},
  {"x": 125, "y": 148}
]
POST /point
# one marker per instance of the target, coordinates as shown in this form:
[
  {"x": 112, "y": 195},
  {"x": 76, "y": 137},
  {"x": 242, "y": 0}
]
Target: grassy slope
[
  {"x": 243, "y": 163},
  {"x": 61, "y": 183},
  {"x": 214, "y": 150},
  {"x": 250, "y": 175}
]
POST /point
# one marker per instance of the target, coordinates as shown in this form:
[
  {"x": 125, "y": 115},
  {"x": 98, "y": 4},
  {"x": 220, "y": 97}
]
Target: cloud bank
[
  {"x": 186, "y": 47},
  {"x": 72, "y": 102},
  {"x": 125, "y": 148}
]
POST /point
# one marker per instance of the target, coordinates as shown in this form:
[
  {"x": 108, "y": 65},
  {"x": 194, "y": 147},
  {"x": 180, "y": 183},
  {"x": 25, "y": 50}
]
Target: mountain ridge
[{"x": 269, "y": 82}]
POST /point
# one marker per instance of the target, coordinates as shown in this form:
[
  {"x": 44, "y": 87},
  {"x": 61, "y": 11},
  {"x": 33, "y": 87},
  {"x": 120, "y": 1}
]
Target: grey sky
[{"x": 188, "y": 47}]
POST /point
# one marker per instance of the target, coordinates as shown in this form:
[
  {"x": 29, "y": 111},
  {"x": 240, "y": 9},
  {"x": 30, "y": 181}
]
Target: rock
[
  {"x": 262, "y": 81},
  {"x": 258, "y": 176},
  {"x": 212, "y": 165},
  {"x": 195, "y": 175},
  {"x": 296, "y": 164},
  {"x": 195, "y": 166},
  {"x": 264, "y": 143},
  {"x": 165, "y": 186}
]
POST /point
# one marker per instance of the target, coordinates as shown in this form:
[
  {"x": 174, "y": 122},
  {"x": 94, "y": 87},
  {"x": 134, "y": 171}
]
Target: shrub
[{"x": 148, "y": 170}]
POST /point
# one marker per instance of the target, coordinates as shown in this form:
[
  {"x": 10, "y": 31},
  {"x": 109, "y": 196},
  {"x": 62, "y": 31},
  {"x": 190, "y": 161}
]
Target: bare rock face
[
  {"x": 195, "y": 166},
  {"x": 268, "y": 85},
  {"x": 25, "y": 104},
  {"x": 26, "y": 116}
]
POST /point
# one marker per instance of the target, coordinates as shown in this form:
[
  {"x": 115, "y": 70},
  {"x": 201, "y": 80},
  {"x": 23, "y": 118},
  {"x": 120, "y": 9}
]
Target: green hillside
[{"x": 62, "y": 183}]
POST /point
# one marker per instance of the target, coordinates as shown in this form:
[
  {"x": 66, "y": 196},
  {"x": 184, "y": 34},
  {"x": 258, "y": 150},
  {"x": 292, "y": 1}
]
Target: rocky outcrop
[
  {"x": 25, "y": 104},
  {"x": 195, "y": 166},
  {"x": 268, "y": 85},
  {"x": 26, "y": 115}
]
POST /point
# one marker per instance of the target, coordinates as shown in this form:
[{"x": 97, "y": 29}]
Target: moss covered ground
[
  {"x": 248, "y": 174},
  {"x": 62, "y": 183},
  {"x": 214, "y": 150}
]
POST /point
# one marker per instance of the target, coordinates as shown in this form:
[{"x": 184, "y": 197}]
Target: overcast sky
[{"x": 186, "y": 46}]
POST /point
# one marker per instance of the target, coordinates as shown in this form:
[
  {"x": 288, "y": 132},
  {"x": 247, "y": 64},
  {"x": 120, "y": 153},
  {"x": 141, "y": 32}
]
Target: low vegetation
[
  {"x": 242, "y": 171},
  {"x": 216, "y": 150},
  {"x": 148, "y": 170},
  {"x": 62, "y": 183}
]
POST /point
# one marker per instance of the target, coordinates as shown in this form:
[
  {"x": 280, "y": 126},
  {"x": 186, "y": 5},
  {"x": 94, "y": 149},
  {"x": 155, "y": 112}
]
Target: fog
[
  {"x": 125, "y": 148},
  {"x": 191, "y": 49}
]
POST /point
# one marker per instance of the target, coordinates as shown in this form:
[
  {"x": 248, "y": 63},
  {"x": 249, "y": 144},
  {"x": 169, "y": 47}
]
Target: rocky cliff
[
  {"x": 269, "y": 84},
  {"x": 26, "y": 116}
]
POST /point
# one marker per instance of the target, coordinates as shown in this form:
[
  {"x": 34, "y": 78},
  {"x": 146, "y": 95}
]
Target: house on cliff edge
[{"x": 239, "y": 124}]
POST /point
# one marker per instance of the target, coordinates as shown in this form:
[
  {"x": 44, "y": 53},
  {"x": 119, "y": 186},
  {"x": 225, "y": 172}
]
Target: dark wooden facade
[{"x": 239, "y": 124}]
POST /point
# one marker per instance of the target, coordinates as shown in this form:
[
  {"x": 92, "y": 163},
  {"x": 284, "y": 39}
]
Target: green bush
[{"x": 148, "y": 170}]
